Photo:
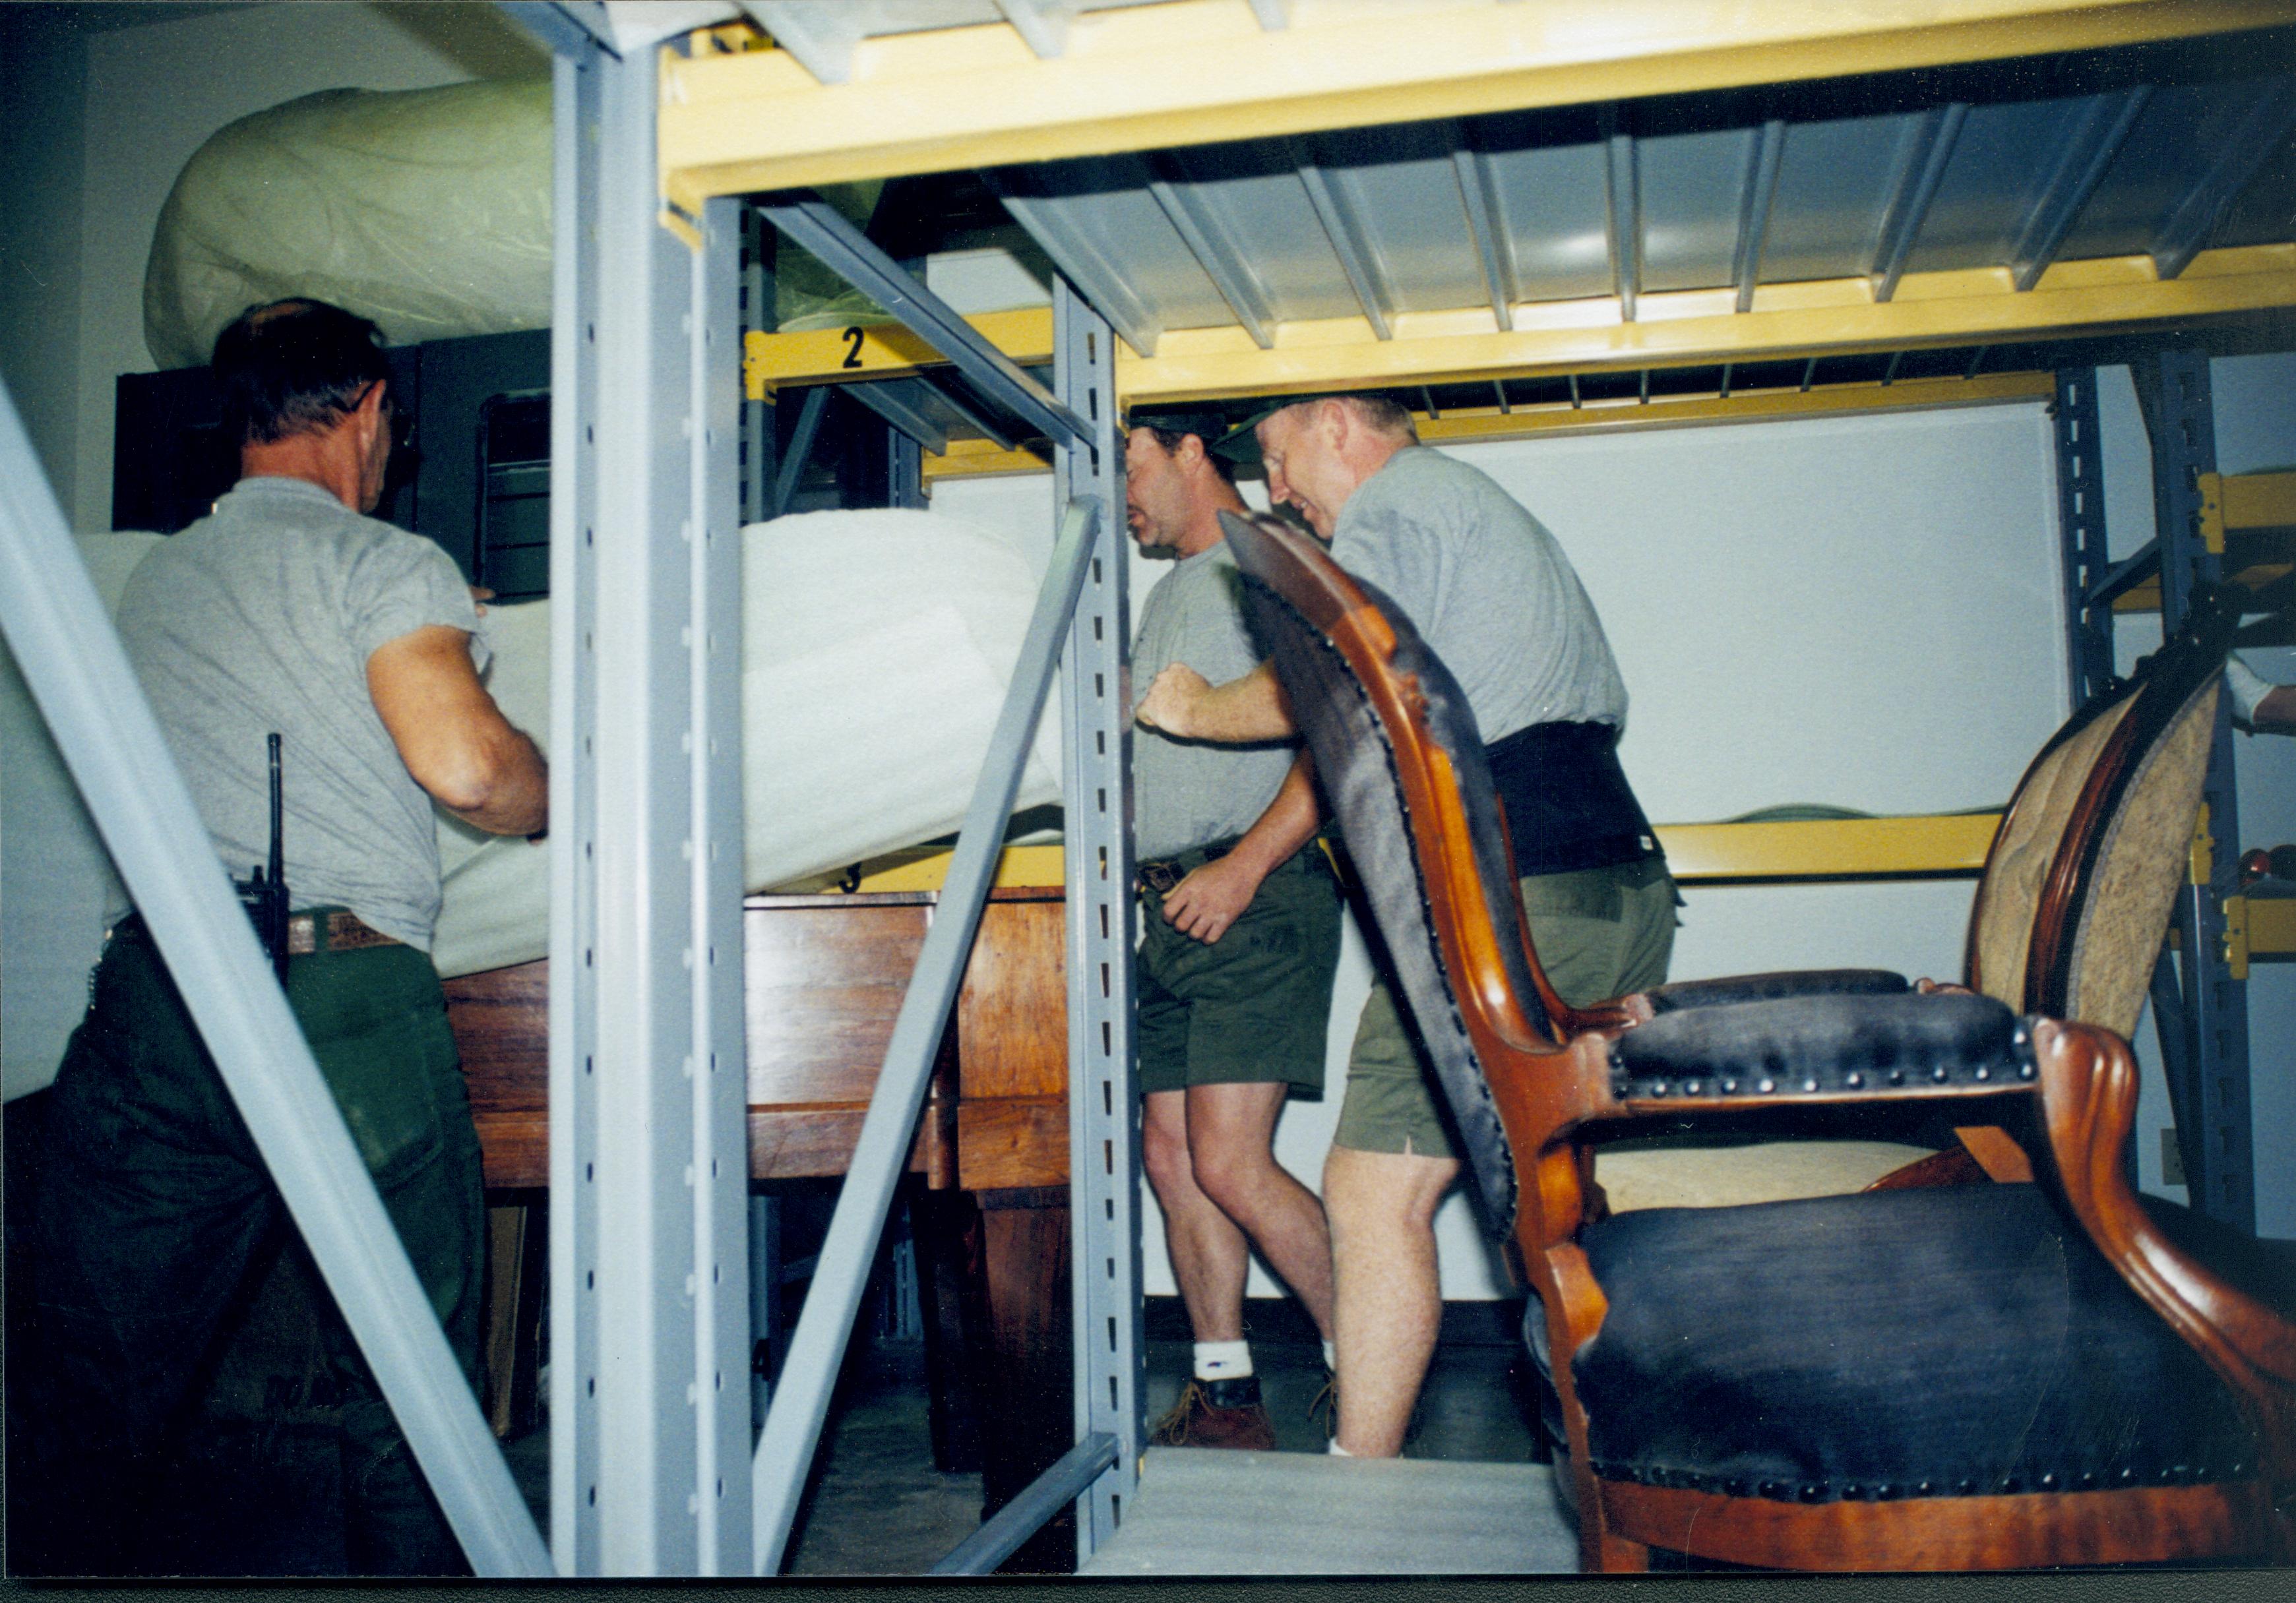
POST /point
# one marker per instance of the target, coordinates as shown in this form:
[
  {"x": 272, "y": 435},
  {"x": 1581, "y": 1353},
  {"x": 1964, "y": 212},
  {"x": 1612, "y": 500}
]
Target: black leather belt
[
  {"x": 1161, "y": 874},
  {"x": 333, "y": 929}
]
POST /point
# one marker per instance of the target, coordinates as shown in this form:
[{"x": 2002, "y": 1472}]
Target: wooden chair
[{"x": 1970, "y": 1377}]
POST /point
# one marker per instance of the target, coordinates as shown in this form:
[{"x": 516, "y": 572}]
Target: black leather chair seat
[
  {"x": 1770, "y": 986},
  {"x": 1957, "y": 1341}
]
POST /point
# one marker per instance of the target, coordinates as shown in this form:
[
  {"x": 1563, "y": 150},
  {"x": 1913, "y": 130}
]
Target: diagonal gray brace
[
  {"x": 72, "y": 660},
  {"x": 855, "y": 258},
  {"x": 793, "y": 1422},
  {"x": 1001, "y": 1536}
]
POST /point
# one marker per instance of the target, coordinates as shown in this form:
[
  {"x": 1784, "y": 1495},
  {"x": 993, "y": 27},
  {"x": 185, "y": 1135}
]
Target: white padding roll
[
  {"x": 425, "y": 209},
  {"x": 876, "y": 650}
]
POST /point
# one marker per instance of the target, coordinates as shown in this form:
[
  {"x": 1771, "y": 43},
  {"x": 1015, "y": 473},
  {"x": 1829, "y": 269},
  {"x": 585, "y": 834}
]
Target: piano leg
[{"x": 1000, "y": 1293}]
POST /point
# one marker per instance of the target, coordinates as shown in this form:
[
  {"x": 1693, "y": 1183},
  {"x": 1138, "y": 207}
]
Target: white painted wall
[{"x": 1859, "y": 611}]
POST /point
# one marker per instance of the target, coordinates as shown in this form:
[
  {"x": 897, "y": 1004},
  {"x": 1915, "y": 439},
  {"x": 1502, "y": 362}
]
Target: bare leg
[
  {"x": 1390, "y": 1300},
  {"x": 1231, "y": 1141},
  {"x": 1208, "y": 1255}
]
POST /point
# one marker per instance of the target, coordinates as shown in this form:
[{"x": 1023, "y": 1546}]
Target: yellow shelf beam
[
  {"x": 2271, "y": 925},
  {"x": 1846, "y": 848},
  {"x": 1843, "y": 849},
  {"x": 1684, "y": 329},
  {"x": 882, "y": 350},
  {"x": 1691, "y": 328},
  {"x": 1193, "y": 72},
  {"x": 979, "y": 459}
]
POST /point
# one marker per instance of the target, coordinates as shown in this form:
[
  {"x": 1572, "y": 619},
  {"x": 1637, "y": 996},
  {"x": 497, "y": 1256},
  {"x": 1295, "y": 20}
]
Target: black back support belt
[{"x": 1567, "y": 801}]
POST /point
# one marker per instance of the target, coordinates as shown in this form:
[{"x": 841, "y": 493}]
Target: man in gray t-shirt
[
  {"x": 285, "y": 611},
  {"x": 1493, "y": 593},
  {"x": 1240, "y": 926}
]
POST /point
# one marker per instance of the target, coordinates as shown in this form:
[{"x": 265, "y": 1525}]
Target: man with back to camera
[
  {"x": 285, "y": 610},
  {"x": 1240, "y": 940},
  {"x": 1494, "y": 595}
]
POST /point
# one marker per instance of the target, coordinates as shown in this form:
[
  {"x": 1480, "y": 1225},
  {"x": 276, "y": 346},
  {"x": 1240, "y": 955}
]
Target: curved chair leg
[{"x": 1616, "y": 1556}]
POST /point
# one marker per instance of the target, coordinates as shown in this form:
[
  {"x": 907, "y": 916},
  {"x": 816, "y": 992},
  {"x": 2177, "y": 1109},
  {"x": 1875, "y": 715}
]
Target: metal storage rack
[
  {"x": 652, "y": 1470},
  {"x": 2206, "y": 529}
]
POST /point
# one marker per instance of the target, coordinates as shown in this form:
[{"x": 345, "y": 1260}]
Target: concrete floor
[{"x": 878, "y": 1507}]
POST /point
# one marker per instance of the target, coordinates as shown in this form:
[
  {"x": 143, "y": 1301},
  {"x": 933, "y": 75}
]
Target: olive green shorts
[
  {"x": 1601, "y": 932},
  {"x": 1252, "y": 1006}
]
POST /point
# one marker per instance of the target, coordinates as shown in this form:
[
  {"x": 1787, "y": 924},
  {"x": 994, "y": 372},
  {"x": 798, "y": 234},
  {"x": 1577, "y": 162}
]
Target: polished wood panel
[
  {"x": 501, "y": 1020},
  {"x": 825, "y": 977}
]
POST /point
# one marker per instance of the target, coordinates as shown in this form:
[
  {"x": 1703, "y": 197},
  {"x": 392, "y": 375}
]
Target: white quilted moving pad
[
  {"x": 877, "y": 646},
  {"x": 425, "y": 209}
]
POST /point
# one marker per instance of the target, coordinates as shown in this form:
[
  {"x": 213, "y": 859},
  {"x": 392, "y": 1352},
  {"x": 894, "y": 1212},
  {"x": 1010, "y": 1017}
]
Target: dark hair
[
  {"x": 293, "y": 366},
  {"x": 1170, "y": 438}
]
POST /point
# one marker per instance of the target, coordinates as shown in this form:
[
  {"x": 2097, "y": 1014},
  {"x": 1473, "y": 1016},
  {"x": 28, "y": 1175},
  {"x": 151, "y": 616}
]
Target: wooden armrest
[
  {"x": 2089, "y": 1084},
  {"x": 1829, "y": 1045}
]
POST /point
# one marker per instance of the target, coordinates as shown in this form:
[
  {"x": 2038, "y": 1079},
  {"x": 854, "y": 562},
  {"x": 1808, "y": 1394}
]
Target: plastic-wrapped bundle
[
  {"x": 425, "y": 209},
  {"x": 876, "y": 650}
]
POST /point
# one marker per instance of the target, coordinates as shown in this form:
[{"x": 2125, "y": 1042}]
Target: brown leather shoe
[{"x": 1218, "y": 1413}]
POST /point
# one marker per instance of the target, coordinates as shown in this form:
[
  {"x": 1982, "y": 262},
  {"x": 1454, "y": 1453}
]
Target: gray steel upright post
[
  {"x": 574, "y": 1516},
  {"x": 2180, "y": 416},
  {"x": 1103, "y": 1112},
  {"x": 2080, "y": 528},
  {"x": 661, "y": 1277}
]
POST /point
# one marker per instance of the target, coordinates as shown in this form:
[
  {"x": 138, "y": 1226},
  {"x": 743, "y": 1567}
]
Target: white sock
[
  {"x": 1338, "y": 1452},
  {"x": 1223, "y": 1359},
  {"x": 2248, "y": 687},
  {"x": 1331, "y": 1358}
]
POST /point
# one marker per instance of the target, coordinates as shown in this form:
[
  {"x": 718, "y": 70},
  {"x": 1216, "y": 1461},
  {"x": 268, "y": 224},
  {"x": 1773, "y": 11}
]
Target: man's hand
[
  {"x": 1211, "y": 898},
  {"x": 1172, "y": 701},
  {"x": 480, "y": 596}
]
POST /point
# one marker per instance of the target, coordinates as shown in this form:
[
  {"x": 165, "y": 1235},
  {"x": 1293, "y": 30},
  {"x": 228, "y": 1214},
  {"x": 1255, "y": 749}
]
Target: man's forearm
[
  {"x": 1287, "y": 825},
  {"x": 1253, "y": 707}
]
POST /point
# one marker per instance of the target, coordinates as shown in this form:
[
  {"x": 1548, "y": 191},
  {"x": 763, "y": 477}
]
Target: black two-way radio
[{"x": 266, "y": 895}]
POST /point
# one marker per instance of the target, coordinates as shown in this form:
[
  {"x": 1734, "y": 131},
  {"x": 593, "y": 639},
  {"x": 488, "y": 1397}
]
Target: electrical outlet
[{"x": 2172, "y": 1159}]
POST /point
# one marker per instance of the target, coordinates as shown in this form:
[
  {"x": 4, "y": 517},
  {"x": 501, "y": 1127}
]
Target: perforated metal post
[
  {"x": 1103, "y": 1115},
  {"x": 651, "y": 1135},
  {"x": 574, "y": 1517},
  {"x": 2080, "y": 525},
  {"x": 2179, "y": 414}
]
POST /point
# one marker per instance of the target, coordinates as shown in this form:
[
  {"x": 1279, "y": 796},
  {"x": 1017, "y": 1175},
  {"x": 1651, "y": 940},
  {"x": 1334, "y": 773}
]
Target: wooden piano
[{"x": 825, "y": 976}]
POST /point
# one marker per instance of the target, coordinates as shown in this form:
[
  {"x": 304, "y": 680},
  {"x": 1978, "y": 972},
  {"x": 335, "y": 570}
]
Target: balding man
[
  {"x": 1240, "y": 918},
  {"x": 1493, "y": 593},
  {"x": 285, "y": 611}
]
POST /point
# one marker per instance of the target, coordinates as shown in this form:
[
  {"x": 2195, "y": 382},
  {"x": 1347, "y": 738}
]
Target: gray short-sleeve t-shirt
[
  {"x": 1189, "y": 793},
  {"x": 1489, "y": 588},
  {"x": 261, "y": 617}
]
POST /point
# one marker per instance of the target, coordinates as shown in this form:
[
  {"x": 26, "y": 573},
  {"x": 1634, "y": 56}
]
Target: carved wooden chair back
[{"x": 2083, "y": 869}]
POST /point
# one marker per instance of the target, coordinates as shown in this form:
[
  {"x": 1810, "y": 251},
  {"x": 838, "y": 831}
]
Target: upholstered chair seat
[{"x": 1802, "y": 1351}]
